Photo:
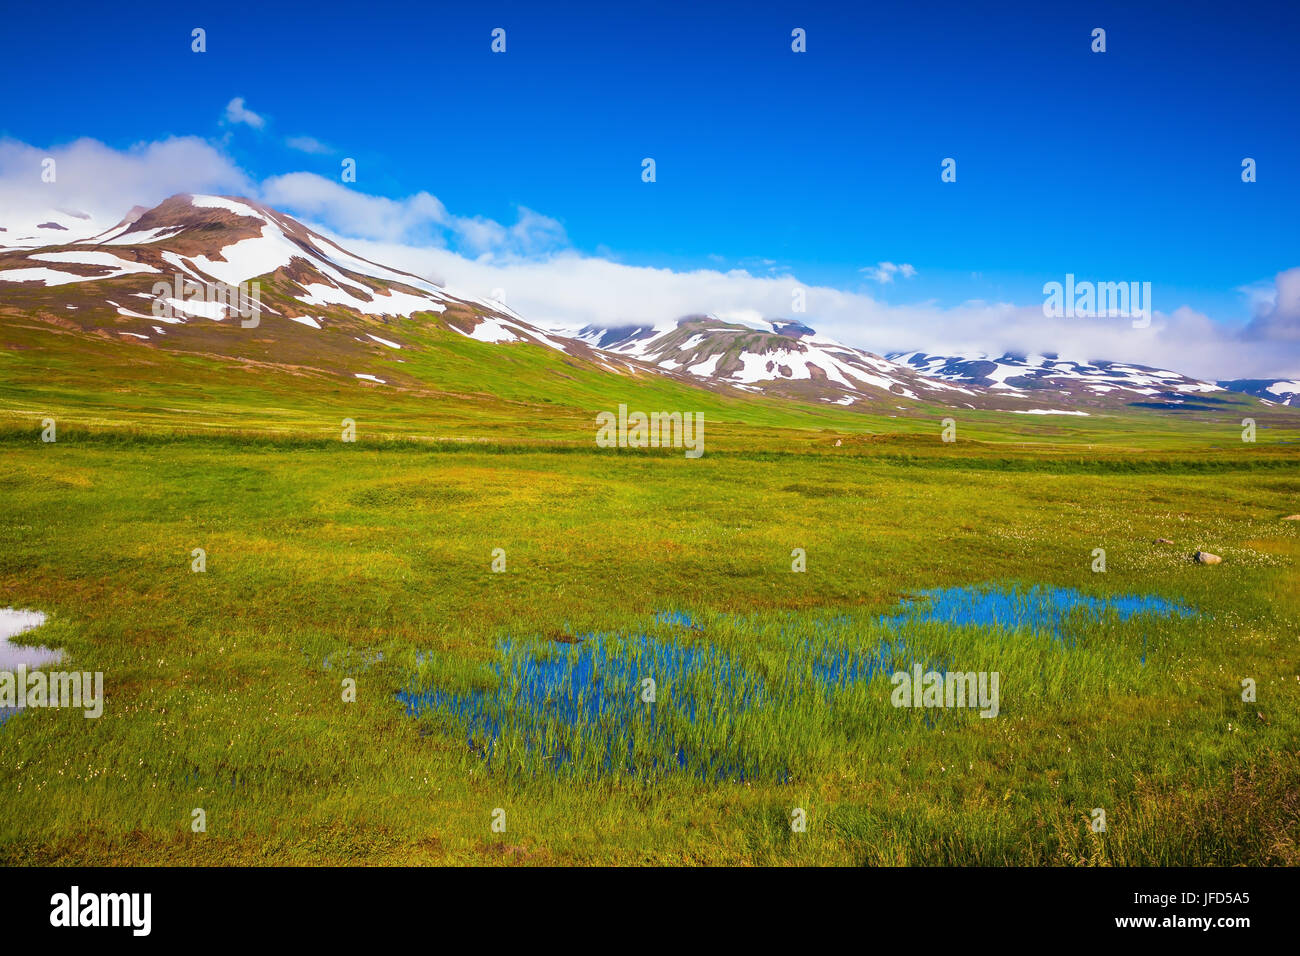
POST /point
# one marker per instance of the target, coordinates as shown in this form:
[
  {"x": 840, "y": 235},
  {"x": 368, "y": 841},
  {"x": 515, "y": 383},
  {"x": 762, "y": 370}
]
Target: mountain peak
[{"x": 164, "y": 274}]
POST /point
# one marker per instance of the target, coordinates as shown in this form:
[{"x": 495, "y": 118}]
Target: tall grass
[
  {"x": 218, "y": 694},
  {"x": 790, "y": 691}
]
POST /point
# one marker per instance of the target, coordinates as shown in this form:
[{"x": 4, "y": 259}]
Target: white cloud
[
  {"x": 1277, "y": 316},
  {"x": 420, "y": 219},
  {"x": 884, "y": 272},
  {"x": 417, "y": 218},
  {"x": 105, "y": 183},
  {"x": 307, "y": 144},
  {"x": 237, "y": 113}
]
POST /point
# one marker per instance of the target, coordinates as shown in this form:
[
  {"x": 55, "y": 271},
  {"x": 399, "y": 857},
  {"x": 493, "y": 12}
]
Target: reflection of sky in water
[
  {"x": 1038, "y": 608},
  {"x": 13, "y": 656},
  {"x": 13, "y": 623},
  {"x": 594, "y": 686}
]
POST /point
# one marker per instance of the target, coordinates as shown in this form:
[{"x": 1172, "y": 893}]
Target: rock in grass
[
  {"x": 1204, "y": 557},
  {"x": 1163, "y": 541},
  {"x": 1292, "y": 518}
]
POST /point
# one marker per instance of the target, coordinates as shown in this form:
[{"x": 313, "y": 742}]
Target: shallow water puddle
[
  {"x": 604, "y": 706},
  {"x": 1037, "y": 609},
  {"x": 613, "y": 688},
  {"x": 12, "y": 656},
  {"x": 13, "y": 623}
]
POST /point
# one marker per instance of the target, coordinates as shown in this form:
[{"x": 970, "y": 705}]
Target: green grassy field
[{"x": 372, "y": 561}]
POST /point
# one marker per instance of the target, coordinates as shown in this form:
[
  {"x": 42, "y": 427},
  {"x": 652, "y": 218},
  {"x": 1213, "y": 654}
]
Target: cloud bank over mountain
[{"x": 545, "y": 279}]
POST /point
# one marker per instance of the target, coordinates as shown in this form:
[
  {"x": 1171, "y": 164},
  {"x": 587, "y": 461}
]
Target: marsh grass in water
[
  {"x": 584, "y": 709},
  {"x": 737, "y": 699}
]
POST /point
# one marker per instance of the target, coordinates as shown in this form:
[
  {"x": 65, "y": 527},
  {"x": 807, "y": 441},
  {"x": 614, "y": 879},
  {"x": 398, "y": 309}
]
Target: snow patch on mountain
[
  {"x": 1046, "y": 411},
  {"x": 28, "y": 229},
  {"x": 1021, "y": 376},
  {"x": 750, "y": 353},
  {"x": 1273, "y": 391}
]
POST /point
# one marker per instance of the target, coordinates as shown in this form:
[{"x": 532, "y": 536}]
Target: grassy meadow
[{"x": 372, "y": 562}]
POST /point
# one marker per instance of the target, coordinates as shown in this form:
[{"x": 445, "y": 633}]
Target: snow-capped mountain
[
  {"x": 1077, "y": 380},
  {"x": 779, "y": 356},
  {"x": 1272, "y": 390},
  {"x": 157, "y": 278},
  {"x": 159, "y": 274}
]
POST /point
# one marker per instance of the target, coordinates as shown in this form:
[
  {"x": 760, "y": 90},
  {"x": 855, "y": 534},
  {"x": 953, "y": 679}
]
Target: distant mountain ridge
[
  {"x": 778, "y": 355},
  {"x": 1083, "y": 380},
  {"x": 324, "y": 307},
  {"x": 1275, "y": 391}
]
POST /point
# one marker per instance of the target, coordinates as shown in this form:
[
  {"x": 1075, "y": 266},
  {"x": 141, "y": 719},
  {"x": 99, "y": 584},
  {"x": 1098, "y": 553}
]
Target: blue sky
[{"x": 1116, "y": 166}]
